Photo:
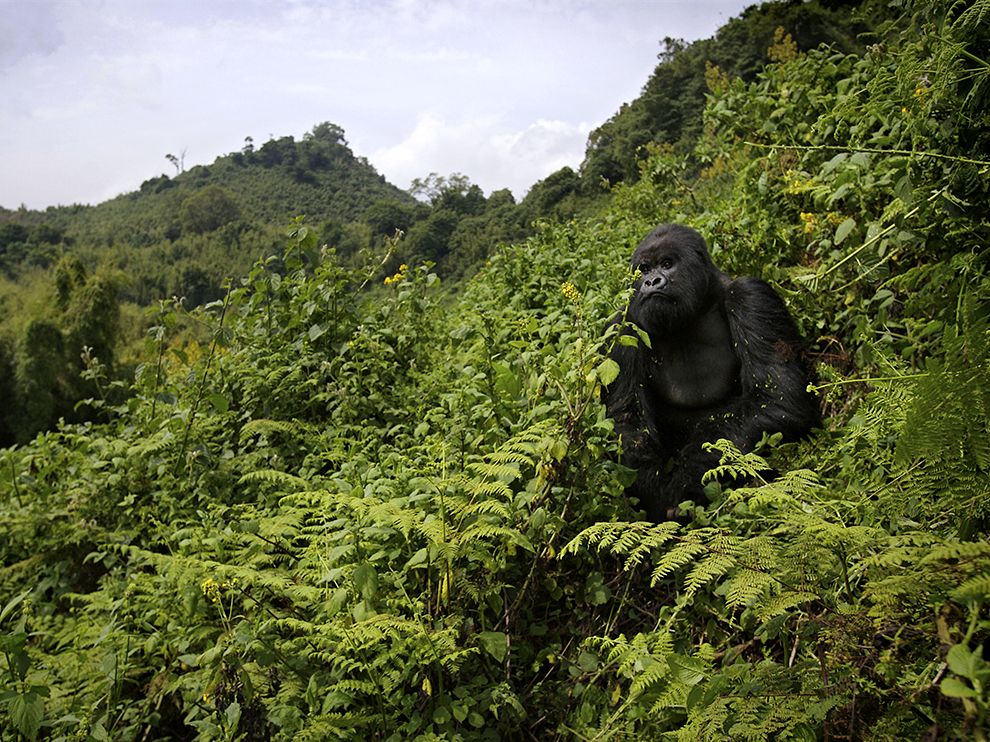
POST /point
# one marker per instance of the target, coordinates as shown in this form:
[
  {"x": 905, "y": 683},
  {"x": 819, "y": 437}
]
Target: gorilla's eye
[
  {"x": 644, "y": 267},
  {"x": 667, "y": 263}
]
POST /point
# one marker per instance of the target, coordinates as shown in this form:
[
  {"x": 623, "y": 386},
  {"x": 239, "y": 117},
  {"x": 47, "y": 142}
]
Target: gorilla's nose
[{"x": 656, "y": 282}]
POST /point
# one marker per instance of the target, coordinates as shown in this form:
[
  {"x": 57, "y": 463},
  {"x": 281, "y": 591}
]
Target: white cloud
[
  {"x": 491, "y": 153},
  {"x": 27, "y": 30},
  {"x": 97, "y": 92}
]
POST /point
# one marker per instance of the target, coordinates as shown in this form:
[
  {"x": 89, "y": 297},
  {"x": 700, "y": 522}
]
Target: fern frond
[
  {"x": 708, "y": 569},
  {"x": 974, "y": 17},
  {"x": 332, "y": 726},
  {"x": 733, "y": 463},
  {"x": 635, "y": 540},
  {"x": 679, "y": 556},
  {"x": 485, "y": 531},
  {"x": 653, "y": 678},
  {"x": 263, "y": 427},
  {"x": 151, "y": 445},
  {"x": 659, "y": 536},
  {"x": 273, "y": 476},
  {"x": 505, "y": 471},
  {"x": 782, "y": 603},
  {"x": 745, "y": 587},
  {"x": 960, "y": 550},
  {"x": 974, "y": 589},
  {"x": 488, "y": 488}
]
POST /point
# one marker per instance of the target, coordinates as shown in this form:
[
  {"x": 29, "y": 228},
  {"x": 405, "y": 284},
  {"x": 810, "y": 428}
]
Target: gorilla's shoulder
[
  {"x": 748, "y": 294},
  {"x": 754, "y": 304}
]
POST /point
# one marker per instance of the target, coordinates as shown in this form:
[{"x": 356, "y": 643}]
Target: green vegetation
[
  {"x": 669, "y": 109},
  {"x": 359, "y": 510},
  {"x": 185, "y": 236}
]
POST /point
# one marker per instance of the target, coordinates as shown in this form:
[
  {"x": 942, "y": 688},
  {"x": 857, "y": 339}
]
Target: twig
[{"x": 868, "y": 150}]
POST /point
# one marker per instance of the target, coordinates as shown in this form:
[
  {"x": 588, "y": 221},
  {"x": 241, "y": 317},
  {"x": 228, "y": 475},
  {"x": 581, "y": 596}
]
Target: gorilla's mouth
[{"x": 661, "y": 295}]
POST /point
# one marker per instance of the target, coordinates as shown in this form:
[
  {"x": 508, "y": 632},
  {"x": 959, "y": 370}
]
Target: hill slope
[{"x": 400, "y": 515}]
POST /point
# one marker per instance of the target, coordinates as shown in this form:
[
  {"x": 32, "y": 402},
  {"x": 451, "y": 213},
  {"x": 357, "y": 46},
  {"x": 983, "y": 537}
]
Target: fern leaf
[{"x": 273, "y": 476}]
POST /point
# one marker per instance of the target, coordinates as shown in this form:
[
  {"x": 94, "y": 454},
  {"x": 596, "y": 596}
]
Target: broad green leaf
[
  {"x": 366, "y": 580},
  {"x": 961, "y": 661},
  {"x": 608, "y": 371},
  {"x": 27, "y": 711},
  {"x": 12, "y": 604},
  {"x": 686, "y": 670},
  {"x": 494, "y": 643},
  {"x": 587, "y": 661},
  {"x": 956, "y": 688},
  {"x": 417, "y": 559},
  {"x": 844, "y": 229},
  {"x": 219, "y": 402}
]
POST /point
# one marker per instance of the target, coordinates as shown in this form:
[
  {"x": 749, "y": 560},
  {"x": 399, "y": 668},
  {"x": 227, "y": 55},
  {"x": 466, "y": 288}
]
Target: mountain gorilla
[{"x": 724, "y": 363}]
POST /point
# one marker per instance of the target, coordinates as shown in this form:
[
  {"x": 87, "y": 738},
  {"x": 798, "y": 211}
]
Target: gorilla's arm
[
  {"x": 631, "y": 406},
  {"x": 628, "y": 401},
  {"x": 772, "y": 376}
]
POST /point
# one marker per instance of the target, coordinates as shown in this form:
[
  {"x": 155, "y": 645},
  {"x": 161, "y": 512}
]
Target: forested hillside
[
  {"x": 390, "y": 507},
  {"x": 80, "y": 277},
  {"x": 77, "y": 277}
]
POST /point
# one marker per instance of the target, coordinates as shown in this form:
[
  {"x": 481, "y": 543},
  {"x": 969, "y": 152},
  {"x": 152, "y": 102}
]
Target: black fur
[{"x": 725, "y": 363}]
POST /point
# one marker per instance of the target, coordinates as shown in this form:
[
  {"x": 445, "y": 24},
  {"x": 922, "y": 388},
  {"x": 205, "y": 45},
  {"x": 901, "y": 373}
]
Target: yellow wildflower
[
  {"x": 570, "y": 291},
  {"x": 398, "y": 276},
  {"x": 211, "y": 589}
]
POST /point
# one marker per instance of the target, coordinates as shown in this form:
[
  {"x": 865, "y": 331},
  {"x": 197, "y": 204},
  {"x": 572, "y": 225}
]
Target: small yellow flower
[
  {"x": 570, "y": 291},
  {"x": 809, "y": 222},
  {"x": 211, "y": 589},
  {"x": 398, "y": 276}
]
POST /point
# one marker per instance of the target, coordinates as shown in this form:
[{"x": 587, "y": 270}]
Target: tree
[
  {"x": 434, "y": 186},
  {"x": 430, "y": 238},
  {"x": 39, "y": 373},
  {"x": 70, "y": 274},
  {"x": 93, "y": 320},
  {"x": 327, "y": 132},
  {"x": 208, "y": 209},
  {"x": 385, "y": 216},
  {"x": 179, "y": 162},
  {"x": 8, "y": 393},
  {"x": 12, "y": 234},
  {"x": 546, "y": 196}
]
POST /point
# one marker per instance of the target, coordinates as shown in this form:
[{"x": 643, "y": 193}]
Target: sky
[{"x": 95, "y": 93}]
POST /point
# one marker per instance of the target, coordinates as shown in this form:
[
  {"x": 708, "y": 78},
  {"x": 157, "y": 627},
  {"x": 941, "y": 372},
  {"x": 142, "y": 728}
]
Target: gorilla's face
[{"x": 676, "y": 279}]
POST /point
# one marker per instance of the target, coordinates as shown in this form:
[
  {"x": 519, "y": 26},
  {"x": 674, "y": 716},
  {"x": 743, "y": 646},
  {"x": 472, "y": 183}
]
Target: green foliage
[
  {"x": 53, "y": 362},
  {"x": 207, "y": 209},
  {"x": 669, "y": 109},
  {"x": 356, "y": 508}
]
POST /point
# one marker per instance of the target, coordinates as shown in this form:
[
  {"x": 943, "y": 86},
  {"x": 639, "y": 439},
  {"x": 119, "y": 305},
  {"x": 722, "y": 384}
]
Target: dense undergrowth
[{"x": 397, "y": 513}]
